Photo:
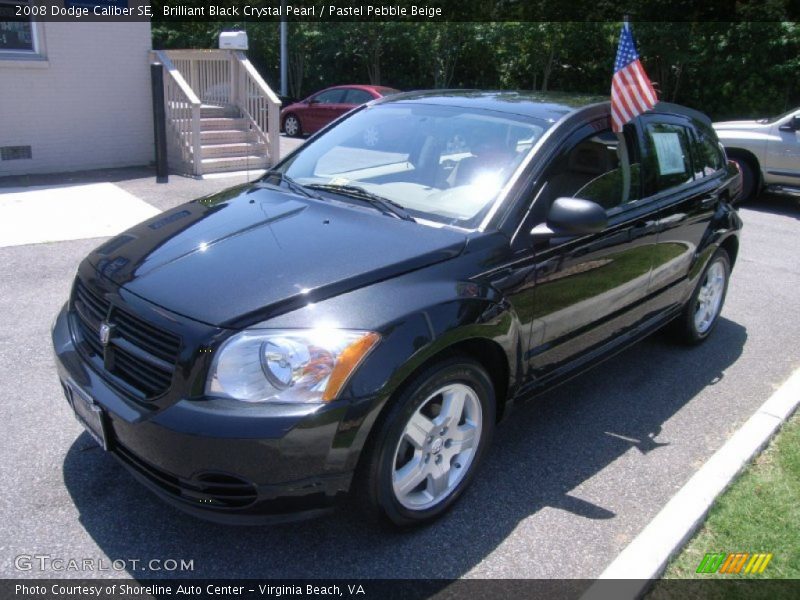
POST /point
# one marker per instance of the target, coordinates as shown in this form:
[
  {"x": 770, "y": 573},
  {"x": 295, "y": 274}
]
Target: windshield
[{"x": 443, "y": 164}]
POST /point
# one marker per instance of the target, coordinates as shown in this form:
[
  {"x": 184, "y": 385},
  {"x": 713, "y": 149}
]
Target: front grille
[
  {"x": 150, "y": 339},
  {"x": 91, "y": 337},
  {"x": 94, "y": 307},
  {"x": 211, "y": 490},
  {"x": 138, "y": 353},
  {"x": 140, "y": 374}
]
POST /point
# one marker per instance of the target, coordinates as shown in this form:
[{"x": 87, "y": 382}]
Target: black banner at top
[{"x": 250, "y": 11}]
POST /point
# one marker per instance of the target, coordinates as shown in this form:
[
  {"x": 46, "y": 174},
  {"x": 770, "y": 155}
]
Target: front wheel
[
  {"x": 749, "y": 181},
  {"x": 428, "y": 448},
  {"x": 700, "y": 315}
]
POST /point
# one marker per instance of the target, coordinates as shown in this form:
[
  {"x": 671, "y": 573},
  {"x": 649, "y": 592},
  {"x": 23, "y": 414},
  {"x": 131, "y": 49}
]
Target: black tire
[
  {"x": 685, "y": 328},
  {"x": 291, "y": 126},
  {"x": 749, "y": 179},
  {"x": 373, "y": 486}
]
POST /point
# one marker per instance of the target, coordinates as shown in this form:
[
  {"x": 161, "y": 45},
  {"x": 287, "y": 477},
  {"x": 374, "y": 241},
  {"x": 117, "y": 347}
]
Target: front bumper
[{"x": 220, "y": 460}]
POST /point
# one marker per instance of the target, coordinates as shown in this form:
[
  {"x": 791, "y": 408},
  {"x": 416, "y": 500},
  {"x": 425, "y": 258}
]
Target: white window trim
[{"x": 22, "y": 58}]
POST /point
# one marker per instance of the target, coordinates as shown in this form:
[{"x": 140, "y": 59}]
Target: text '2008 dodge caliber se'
[{"x": 360, "y": 318}]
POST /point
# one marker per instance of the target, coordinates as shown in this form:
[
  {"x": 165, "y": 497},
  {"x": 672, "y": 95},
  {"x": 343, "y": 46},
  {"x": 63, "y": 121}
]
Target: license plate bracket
[{"x": 88, "y": 413}]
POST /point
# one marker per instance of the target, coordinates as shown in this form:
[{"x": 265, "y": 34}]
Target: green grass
[{"x": 760, "y": 512}]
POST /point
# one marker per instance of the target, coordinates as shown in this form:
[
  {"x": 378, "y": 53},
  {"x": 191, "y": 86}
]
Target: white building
[{"x": 73, "y": 95}]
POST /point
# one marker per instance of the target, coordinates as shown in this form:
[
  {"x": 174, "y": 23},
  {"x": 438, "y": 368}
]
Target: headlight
[{"x": 287, "y": 366}]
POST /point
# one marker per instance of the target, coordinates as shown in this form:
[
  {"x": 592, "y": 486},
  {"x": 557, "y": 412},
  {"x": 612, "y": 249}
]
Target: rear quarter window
[
  {"x": 357, "y": 97},
  {"x": 330, "y": 96},
  {"x": 707, "y": 156}
]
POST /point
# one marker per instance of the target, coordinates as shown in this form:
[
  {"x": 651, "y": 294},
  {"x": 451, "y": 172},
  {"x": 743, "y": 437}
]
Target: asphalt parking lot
[{"x": 570, "y": 480}]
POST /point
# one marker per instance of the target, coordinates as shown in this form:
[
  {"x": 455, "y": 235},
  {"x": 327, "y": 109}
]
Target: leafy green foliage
[{"x": 726, "y": 69}]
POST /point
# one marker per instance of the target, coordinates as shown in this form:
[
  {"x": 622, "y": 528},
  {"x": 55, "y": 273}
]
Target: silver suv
[{"x": 767, "y": 152}]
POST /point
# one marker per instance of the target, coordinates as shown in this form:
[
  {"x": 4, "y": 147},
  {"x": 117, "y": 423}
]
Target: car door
[
  {"x": 588, "y": 289},
  {"x": 783, "y": 152},
  {"x": 322, "y": 109},
  {"x": 682, "y": 169}
]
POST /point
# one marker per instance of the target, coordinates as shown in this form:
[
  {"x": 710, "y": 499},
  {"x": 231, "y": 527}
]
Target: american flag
[{"x": 631, "y": 90}]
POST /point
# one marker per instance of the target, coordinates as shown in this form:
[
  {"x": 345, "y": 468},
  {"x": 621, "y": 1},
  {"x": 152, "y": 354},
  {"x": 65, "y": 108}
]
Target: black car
[{"x": 361, "y": 317}]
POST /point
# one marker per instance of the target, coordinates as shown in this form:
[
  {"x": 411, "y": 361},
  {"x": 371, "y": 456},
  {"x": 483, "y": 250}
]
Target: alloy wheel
[
  {"x": 709, "y": 298},
  {"x": 437, "y": 447},
  {"x": 291, "y": 126}
]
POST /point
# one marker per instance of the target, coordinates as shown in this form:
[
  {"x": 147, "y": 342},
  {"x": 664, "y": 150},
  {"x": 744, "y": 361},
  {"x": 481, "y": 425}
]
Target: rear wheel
[
  {"x": 701, "y": 313},
  {"x": 425, "y": 453},
  {"x": 291, "y": 126}
]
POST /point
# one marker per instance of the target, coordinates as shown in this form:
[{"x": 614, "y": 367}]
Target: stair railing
[
  {"x": 216, "y": 77},
  {"x": 182, "y": 108},
  {"x": 259, "y": 104}
]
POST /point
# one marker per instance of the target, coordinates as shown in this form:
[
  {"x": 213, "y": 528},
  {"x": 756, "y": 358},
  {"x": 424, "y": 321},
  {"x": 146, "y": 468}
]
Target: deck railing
[
  {"x": 182, "y": 107},
  {"x": 259, "y": 103},
  {"x": 193, "y": 78}
]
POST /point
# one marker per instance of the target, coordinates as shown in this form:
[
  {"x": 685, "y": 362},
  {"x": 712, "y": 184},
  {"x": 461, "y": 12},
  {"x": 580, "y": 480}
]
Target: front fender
[
  {"x": 410, "y": 344},
  {"x": 420, "y": 315}
]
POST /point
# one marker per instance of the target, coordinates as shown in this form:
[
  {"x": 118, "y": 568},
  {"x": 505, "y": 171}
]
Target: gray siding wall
[{"x": 86, "y": 105}]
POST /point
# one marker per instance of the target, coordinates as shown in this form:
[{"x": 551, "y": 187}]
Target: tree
[{"x": 727, "y": 70}]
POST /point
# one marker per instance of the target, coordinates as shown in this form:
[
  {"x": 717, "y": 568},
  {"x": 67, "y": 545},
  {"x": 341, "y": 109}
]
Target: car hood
[
  {"x": 249, "y": 253},
  {"x": 746, "y": 125}
]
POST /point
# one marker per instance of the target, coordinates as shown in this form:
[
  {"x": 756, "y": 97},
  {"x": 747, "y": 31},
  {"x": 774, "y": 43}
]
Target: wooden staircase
[
  {"x": 221, "y": 115},
  {"x": 227, "y": 143}
]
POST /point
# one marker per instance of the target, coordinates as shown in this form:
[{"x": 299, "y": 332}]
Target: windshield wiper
[
  {"x": 290, "y": 183},
  {"x": 386, "y": 206}
]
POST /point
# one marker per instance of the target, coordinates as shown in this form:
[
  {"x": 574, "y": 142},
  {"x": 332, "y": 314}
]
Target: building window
[{"x": 17, "y": 32}]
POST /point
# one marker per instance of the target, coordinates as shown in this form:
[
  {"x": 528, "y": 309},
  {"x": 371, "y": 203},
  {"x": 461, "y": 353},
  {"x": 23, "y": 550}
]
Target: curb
[{"x": 646, "y": 557}]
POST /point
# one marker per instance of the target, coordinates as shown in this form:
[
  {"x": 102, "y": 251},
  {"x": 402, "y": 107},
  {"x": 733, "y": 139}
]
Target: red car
[{"x": 316, "y": 111}]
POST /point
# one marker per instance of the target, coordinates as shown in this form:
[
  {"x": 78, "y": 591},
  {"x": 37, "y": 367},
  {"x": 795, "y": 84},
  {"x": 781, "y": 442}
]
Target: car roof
[
  {"x": 677, "y": 109},
  {"x": 542, "y": 105},
  {"x": 352, "y": 86}
]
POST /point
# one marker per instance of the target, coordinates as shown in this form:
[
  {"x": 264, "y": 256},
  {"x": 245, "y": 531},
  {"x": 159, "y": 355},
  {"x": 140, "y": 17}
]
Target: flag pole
[{"x": 622, "y": 147}]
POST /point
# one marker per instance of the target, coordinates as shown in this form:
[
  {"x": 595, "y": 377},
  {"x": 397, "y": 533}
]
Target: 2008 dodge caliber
[{"x": 360, "y": 318}]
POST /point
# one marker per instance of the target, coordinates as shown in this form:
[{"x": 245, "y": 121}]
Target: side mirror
[
  {"x": 571, "y": 217},
  {"x": 312, "y": 101},
  {"x": 792, "y": 125}
]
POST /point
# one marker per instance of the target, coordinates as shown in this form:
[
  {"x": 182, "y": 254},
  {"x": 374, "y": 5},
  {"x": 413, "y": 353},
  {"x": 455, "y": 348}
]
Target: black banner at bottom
[{"x": 390, "y": 589}]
